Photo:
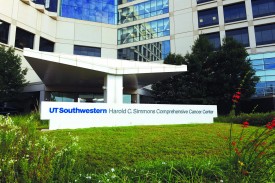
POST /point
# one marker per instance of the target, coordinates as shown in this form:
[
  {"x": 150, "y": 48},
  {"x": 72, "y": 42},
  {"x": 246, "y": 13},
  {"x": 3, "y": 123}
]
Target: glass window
[
  {"x": 214, "y": 39},
  {"x": 50, "y": 5},
  {"x": 264, "y": 64},
  {"x": 265, "y": 34},
  {"x": 4, "y": 32},
  {"x": 269, "y": 63},
  {"x": 142, "y": 10},
  {"x": 87, "y": 51},
  {"x": 103, "y": 11},
  {"x": 46, "y": 45},
  {"x": 270, "y": 78},
  {"x": 263, "y": 8},
  {"x": 149, "y": 30},
  {"x": 23, "y": 39},
  {"x": 62, "y": 97},
  {"x": 260, "y": 73},
  {"x": 258, "y": 67},
  {"x": 147, "y": 52},
  {"x": 261, "y": 84},
  {"x": 269, "y": 55},
  {"x": 240, "y": 35},
  {"x": 208, "y": 17},
  {"x": 127, "y": 99},
  {"x": 38, "y": 1},
  {"x": 257, "y": 62},
  {"x": 234, "y": 12},
  {"x": 270, "y": 66},
  {"x": 268, "y": 83},
  {"x": 269, "y": 60},
  {"x": 202, "y": 1},
  {"x": 165, "y": 49}
]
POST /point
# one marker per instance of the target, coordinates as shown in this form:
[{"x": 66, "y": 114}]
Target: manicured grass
[{"x": 104, "y": 148}]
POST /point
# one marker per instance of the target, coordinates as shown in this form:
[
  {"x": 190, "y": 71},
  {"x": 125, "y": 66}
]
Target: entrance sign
[{"x": 72, "y": 115}]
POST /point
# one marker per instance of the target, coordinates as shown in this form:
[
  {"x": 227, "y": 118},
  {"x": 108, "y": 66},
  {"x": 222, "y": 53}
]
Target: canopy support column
[{"x": 113, "y": 89}]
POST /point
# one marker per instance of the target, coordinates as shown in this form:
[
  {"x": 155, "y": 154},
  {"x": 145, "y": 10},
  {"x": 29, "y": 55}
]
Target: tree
[
  {"x": 213, "y": 76},
  {"x": 12, "y": 76}
]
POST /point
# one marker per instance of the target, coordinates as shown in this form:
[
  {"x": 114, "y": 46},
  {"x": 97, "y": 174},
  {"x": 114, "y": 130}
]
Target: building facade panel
[
  {"x": 48, "y": 27},
  {"x": 183, "y": 22},
  {"x": 7, "y": 9},
  {"x": 27, "y": 15}
]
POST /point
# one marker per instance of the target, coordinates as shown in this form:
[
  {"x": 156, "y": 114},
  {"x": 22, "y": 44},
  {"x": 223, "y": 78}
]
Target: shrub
[
  {"x": 255, "y": 119},
  {"x": 28, "y": 156}
]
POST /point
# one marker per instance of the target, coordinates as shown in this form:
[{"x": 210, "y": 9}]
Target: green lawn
[
  {"x": 172, "y": 153},
  {"x": 104, "y": 148}
]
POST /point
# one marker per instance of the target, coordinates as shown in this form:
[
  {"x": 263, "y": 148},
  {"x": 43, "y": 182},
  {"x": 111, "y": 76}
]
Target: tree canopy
[
  {"x": 213, "y": 76},
  {"x": 12, "y": 76}
]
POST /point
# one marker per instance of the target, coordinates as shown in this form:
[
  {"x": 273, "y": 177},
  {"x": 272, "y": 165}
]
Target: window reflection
[
  {"x": 149, "y": 30},
  {"x": 146, "y": 53},
  {"x": 263, "y": 8},
  {"x": 234, "y": 12},
  {"x": 74, "y": 97},
  {"x": 103, "y": 11},
  {"x": 143, "y": 10},
  {"x": 240, "y": 35},
  {"x": 265, "y": 34},
  {"x": 264, "y": 64}
]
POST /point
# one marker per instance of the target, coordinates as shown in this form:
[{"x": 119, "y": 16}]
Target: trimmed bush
[{"x": 255, "y": 119}]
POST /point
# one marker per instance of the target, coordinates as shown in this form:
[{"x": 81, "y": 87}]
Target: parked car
[{"x": 8, "y": 110}]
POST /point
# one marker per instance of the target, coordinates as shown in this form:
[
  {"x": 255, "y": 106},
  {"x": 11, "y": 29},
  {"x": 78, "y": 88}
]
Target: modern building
[{"x": 137, "y": 30}]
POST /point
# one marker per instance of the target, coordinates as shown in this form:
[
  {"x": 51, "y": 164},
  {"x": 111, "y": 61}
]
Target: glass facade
[
  {"x": 46, "y": 45},
  {"x": 143, "y": 10},
  {"x": 234, "y": 12},
  {"x": 265, "y": 34},
  {"x": 103, "y": 11},
  {"x": 214, "y": 39},
  {"x": 4, "y": 32},
  {"x": 144, "y": 31},
  {"x": 85, "y": 97},
  {"x": 146, "y": 53},
  {"x": 73, "y": 97},
  {"x": 23, "y": 39},
  {"x": 208, "y": 17},
  {"x": 240, "y": 35},
  {"x": 87, "y": 51},
  {"x": 264, "y": 64},
  {"x": 263, "y": 8},
  {"x": 50, "y": 5}
]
